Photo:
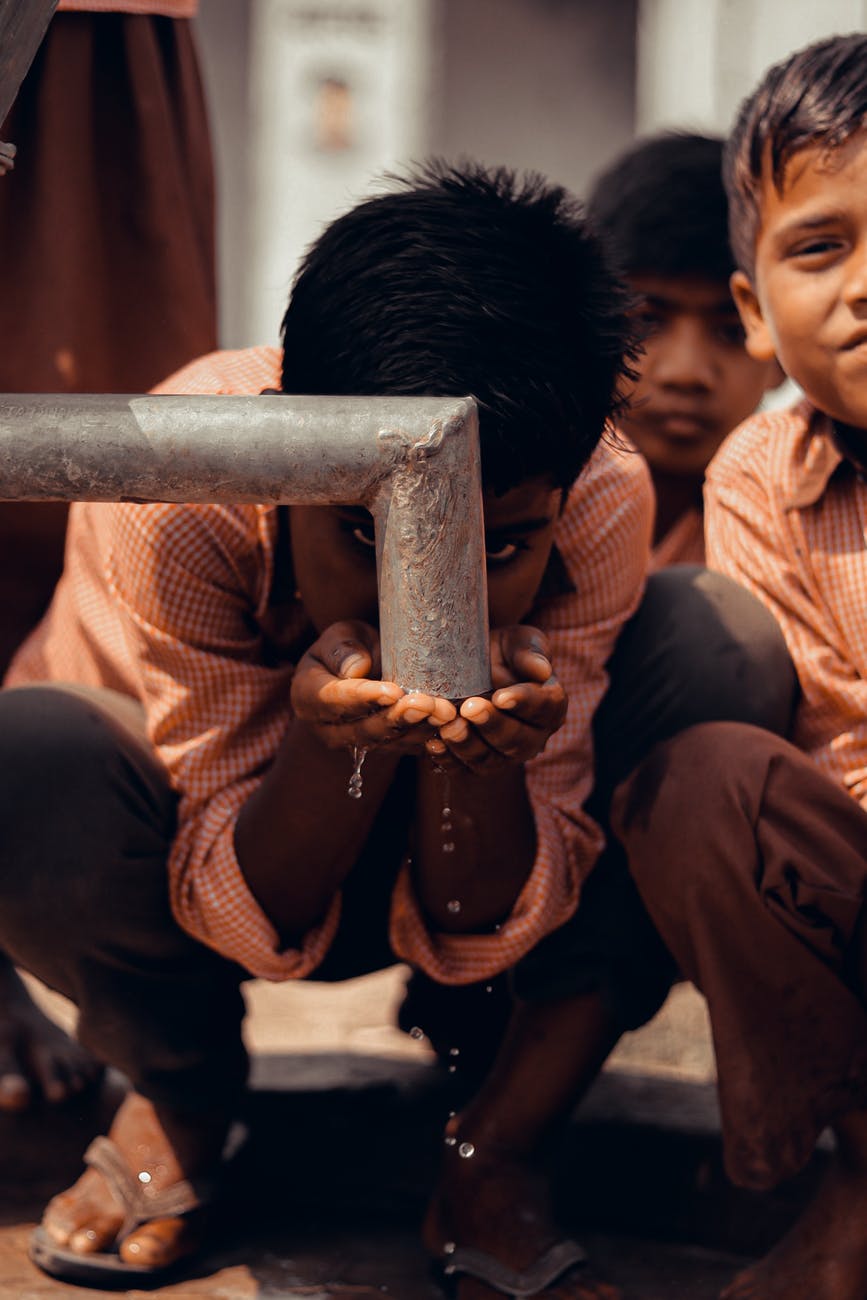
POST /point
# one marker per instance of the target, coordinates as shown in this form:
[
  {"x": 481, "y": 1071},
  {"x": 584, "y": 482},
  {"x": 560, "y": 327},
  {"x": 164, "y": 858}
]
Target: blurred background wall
[{"x": 312, "y": 99}]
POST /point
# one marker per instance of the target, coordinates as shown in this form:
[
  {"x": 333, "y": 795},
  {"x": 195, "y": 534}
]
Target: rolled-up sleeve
[{"x": 603, "y": 538}]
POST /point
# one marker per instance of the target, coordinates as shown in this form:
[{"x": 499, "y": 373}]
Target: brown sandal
[{"x": 139, "y": 1204}]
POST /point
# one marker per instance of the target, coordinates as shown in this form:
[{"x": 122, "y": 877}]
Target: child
[
  {"x": 662, "y": 210},
  {"x": 762, "y": 904},
  {"x": 246, "y": 639}
]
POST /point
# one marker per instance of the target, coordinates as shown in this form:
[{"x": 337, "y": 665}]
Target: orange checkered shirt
[
  {"x": 167, "y": 8},
  {"x": 170, "y": 604},
  {"x": 786, "y": 516}
]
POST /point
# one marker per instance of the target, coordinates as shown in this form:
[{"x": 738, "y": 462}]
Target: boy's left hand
[{"x": 527, "y": 706}]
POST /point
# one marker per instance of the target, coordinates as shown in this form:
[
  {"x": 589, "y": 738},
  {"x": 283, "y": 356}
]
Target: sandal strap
[
  {"x": 548, "y": 1268},
  {"x": 135, "y": 1199}
]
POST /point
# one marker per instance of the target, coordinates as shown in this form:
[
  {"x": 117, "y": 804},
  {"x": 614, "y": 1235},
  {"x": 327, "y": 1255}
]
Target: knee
[
  {"x": 696, "y": 797},
  {"x": 70, "y": 779}
]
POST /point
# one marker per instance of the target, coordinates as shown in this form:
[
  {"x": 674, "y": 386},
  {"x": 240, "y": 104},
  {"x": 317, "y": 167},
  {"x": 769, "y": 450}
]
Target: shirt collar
[{"x": 824, "y": 458}]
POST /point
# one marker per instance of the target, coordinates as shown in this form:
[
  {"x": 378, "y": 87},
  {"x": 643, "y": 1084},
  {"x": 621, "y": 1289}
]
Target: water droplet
[
  {"x": 450, "y": 1141},
  {"x": 454, "y": 1051},
  {"x": 465, "y": 1150},
  {"x": 447, "y": 826},
  {"x": 452, "y": 1114},
  {"x": 489, "y": 988},
  {"x": 448, "y": 847},
  {"x": 454, "y": 904},
  {"x": 447, "y": 812},
  {"x": 452, "y": 1069},
  {"x": 449, "y": 1268},
  {"x": 359, "y": 754},
  {"x": 416, "y": 1033},
  {"x": 498, "y": 928},
  {"x": 144, "y": 1177},
  {"x": 449, "y": 1248}
]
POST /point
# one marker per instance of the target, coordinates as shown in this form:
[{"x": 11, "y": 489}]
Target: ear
[{"x": 759, "y": 342}]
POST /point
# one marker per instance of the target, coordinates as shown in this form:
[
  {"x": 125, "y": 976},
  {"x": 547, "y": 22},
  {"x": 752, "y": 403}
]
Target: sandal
[
  {"x": 106, "y": 1268},
  {"x": 550, "y": 1267}
]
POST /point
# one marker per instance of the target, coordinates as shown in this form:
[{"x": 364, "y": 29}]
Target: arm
[
  {"x": 753, "y": 539},
  {"x": 604, "y": 538}
]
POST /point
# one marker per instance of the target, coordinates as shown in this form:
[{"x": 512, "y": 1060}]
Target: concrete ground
[{"x": 344, "y": 1120}]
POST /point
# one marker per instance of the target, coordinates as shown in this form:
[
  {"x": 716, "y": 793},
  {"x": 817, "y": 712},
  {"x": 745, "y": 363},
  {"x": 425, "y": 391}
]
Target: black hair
[
  {"x": 817, "y": 96},
  {"x": 463, "y": 280},
  {"x": 661, "y": 208}
]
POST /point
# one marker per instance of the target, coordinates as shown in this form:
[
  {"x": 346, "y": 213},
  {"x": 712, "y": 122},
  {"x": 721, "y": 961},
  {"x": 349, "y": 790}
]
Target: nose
[
  {"x": 684, "y": 359},
  {"x": 855, "y": 291}
]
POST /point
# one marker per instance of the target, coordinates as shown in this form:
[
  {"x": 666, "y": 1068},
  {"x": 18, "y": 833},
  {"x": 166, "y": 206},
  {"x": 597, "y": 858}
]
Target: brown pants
[{"x": 759, "y": 895}]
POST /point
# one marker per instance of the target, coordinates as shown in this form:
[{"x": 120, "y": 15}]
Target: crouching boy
[
  {"x": 761, "y": 900},
  {"x": 178, "y": 819}
]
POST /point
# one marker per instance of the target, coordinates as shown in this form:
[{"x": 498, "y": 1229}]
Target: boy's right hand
[{"x": 337, "y": 693}]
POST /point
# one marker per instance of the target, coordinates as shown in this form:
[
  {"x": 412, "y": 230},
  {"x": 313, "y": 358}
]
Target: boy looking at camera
[
  {"x": 661, "y": 210},
  {"x": 762, "y": 904}
]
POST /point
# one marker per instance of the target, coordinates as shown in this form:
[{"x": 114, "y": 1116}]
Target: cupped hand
[
  {"x": 338, "y": 693},
  {"x": 527, "y": 706}
]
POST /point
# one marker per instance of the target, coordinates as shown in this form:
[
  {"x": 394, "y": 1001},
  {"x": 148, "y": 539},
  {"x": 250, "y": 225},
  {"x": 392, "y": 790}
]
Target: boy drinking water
[
  {"x": 661, "y": 208},
  {"x": 762, "y": 904},
  {"x": 179, "y": 819}
]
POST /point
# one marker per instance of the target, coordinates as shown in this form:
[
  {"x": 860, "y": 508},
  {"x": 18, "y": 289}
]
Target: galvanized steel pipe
[{"x": 412, "y": 461}]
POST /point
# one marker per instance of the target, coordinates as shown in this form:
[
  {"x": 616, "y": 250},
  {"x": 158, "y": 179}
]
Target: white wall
[{"x": 697, "y": 59}]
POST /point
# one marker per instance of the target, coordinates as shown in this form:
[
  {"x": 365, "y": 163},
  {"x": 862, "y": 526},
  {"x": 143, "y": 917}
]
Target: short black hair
[
  {"x": 817, "y": 96},
  {"x": 661, "y": 208},
  {"x": 465, "y": 280}
]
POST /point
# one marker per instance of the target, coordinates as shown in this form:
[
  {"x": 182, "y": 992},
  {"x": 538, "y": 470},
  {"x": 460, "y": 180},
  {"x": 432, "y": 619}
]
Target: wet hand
[
  {"x": 527, "y": 706},
  {"x": 338, "y": 693}
]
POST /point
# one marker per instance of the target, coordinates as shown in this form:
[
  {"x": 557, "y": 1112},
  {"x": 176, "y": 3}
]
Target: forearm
[
  {"x": 490, "y": 826},
  {"x": 299, "y": 833}
]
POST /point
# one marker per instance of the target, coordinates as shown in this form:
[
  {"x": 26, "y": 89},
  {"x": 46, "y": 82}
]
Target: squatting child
[
  {"x": 662, "y": 210},
  {"x": 762, "y": 901},
  {"x": 178, "y": 819}
]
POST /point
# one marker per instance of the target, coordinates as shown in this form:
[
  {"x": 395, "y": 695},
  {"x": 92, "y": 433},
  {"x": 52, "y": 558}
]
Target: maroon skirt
[{"x": 107, "y": 237}]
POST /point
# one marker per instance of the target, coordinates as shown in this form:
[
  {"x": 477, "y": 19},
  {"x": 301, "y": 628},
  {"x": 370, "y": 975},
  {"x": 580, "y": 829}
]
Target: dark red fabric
[
  {"x": 107, "y": 239},
  {"x": 753, "y": 866}
]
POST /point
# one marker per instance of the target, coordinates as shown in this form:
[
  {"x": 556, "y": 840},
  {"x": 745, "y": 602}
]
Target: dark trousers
[{"x": 87, "y": 817}]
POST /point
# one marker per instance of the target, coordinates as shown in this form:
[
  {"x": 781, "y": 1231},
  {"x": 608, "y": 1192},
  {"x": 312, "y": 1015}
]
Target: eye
[
  {"x": 363, "y": 534},
  {"x": 819, "y": 248},
  {"x": 501, "y": 552}
]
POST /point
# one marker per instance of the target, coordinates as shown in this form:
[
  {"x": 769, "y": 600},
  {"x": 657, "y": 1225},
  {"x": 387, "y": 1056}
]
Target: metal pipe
[{"x": 412, "y": 461}]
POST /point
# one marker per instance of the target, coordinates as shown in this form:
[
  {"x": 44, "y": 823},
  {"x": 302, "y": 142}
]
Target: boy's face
[
  {"x": 696, "y": 381},
  {"x": 807, "y": 301},
  {"x": 334, "y": 558}
]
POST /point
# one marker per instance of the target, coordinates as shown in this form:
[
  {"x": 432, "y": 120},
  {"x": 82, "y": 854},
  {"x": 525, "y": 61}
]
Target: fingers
[{"x": 519, "y": 654}]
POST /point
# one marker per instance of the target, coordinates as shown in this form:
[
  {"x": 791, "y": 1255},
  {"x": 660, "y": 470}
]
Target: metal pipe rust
[{"x": 412, "y": 461}]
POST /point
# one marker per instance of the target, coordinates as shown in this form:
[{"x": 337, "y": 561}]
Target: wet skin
[
  {"x": 806, "y": 302},
  {"x": 338, "y": 700},
  {"x": 696, "y": 383}
]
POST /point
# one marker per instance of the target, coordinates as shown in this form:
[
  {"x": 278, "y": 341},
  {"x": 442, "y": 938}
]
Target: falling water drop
[
  {"x": 489, "y": 988},
  {"x": 448, "y": 847},
  {"x": 416, "y": 1033},
  {"x": 450, "y": 1141},
  {"x": 449, "y": 1248},
  {"x": 454, "y": 1051},
  {"x": 454, "y": 904},
  {"x": 359, "y": 754},
  {"x": 465, "y": 1150}
]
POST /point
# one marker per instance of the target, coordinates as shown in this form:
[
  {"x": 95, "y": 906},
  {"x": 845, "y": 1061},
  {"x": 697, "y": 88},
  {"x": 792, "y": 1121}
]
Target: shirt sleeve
[
  {"x": 604, "y": 540},
  {"x": 186, "y": 581},
  {"x": 753, "y": 539}
]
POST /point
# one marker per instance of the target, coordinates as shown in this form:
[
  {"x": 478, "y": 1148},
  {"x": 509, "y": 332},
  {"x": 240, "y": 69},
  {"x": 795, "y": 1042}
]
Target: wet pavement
[{"x": 344, "y": 1129}]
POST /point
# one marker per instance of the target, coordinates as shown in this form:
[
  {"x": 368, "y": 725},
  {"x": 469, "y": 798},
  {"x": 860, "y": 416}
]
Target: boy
[
  {"x": 661, "y": 209},
  {"x": 763, "y": 905},
  {"x": 246, "y": 639}
]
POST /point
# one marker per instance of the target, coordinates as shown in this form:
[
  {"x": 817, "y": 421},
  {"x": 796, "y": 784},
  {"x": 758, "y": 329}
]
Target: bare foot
[
  {"x": 499, "y": 1205},
  {"x": 166, "y": 1146},
  {"x": 37, "y": 1059},
  {"x": 824, "y": 1256}
]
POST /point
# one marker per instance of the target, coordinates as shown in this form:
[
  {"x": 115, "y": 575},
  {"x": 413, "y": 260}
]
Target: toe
[
  {"x": 96, "y": 1234},
  {"x": 15, "y": 1093},
  {"x": 158, "y": 1243}
]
